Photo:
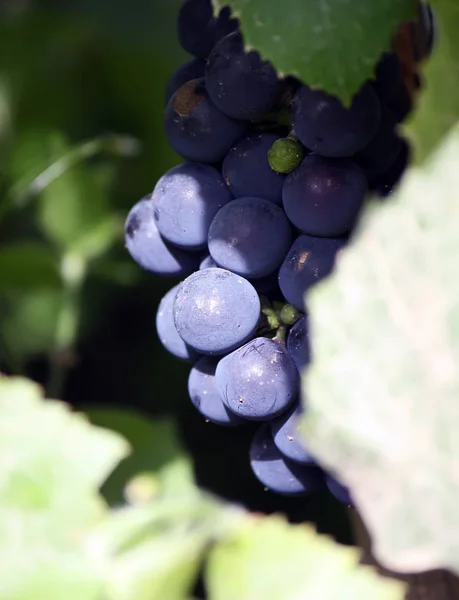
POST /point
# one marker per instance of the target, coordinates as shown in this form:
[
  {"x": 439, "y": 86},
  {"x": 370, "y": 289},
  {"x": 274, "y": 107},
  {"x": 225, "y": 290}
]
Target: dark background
[{"x": 73, "y": 71}]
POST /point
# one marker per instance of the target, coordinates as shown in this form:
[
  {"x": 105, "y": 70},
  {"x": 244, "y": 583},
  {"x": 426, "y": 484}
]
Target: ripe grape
[
  {"x": 276, "y": 472},
  {"x": 207, "y": 263},
  {"x": 247, "y": 172},
  {"x": 309, "y": 260},
  {"x": 196, "y": 129},
  {"x": 250, "y": 237},
  {"x": 298, "y": 344},
  {"x": 240, "y": 83},
  {"x": 323, "y": 197},
  {"x": 384, "y": 185},
  {"x": 383, "y": 150},
  {"x": 325, "y": 126},
  {"x": 338, "y": 490},
  {"x": 199, "y": 30},
  {"x": 259, "y": 380},
  {"x": 193, "y": 69},
  {"x": 388, "y": 76},
  {"x": 286, "y": 436},
  {"x": 216, "y": 311},
  {"x": 147, "y": 247},
  {"x": 203, "y": 393},
  {"x": 186, "y": 199},
  {"x": 166, "y": 330}
]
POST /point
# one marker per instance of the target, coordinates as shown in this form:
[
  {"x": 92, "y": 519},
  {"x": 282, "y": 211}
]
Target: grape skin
[
  {"x": 196, "y": 129},
  {"x": 167, "y": 332},
  {"x": 279, "y": 474},
  {"x": 216, "y": 311},
  {"x": 240, "y": 83},
  {"x": 247, "y": 172},
  {"x": 298, "y": 344},
  {"x": 338, "y": 490},
  {"x": 186, "y": 199},
  {"x": 207, "y": 263},
  {"x": 258, "y": 381},
  {"x": 149, "y": 249},
  {"x": 309, "y": 260},
  {"x": 325, "y": 126},
  {"x": 203, "y": 393},
  {"x": 323, "y": 197},
  {"x": 249, "y": 236},
  {"x": 286, "y": 436},
  {"x": 199, "y": 30},
  {"x": 193, "y": 69}
]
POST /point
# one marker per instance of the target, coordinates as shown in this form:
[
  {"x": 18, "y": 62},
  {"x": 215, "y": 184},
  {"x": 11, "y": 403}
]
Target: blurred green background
[{"x": 81, "y": 140}]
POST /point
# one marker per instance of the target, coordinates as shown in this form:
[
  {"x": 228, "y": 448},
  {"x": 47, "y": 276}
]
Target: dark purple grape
[
  {"x": 323, "y": 197},
  {"x": 338, "y": 490},
  {"x": 240, "y": 83},
  {"x": 193, "y": 69},
  {"x": 309, "y": 260},
  {"x": 388, "y": 76},
  {"x": 279, "y": 474},
  {"x": 196, "y": 129},
  {"x": 199, "y": 30},
  {"x": 325, "y": 126},
  {"x": 383, "y": 150},
  {"x": 384, "y": 185},
  {"x": 247, "y": 172}
]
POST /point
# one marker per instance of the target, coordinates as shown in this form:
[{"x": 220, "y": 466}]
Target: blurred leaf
[
  {"x": 52, "y": 463},
  {"x": 438, "y": 108},
  {"x": 382, "y": 392},
  {"x": 268, "y": 559},
  {"x": 156, "y": 448},
  {"x": 332, "y": 45},
  {"x": 28, "y": 267},
  {"x": 156, "y": 551},
  {"x": 29, "y": 324},
  {"x": 121, "y": 272}
]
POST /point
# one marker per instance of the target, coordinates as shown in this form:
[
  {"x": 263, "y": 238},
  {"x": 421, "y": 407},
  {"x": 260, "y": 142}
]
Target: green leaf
[
  {"x": 267, "y": 559},
  {"x": 28, "y": 267},
  {"x": 332, "y": 44},
  {"x": 52, "y": 464},
  {"x": 156, "y": 449},
  {"x": 382, "y": 392},
  {"x": 438, "y": 108},
  {"x": 156, "y": 551}
]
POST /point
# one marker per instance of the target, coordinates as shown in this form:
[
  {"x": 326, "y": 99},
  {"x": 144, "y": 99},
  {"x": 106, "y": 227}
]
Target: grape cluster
[{"x": 274, "y": 177}]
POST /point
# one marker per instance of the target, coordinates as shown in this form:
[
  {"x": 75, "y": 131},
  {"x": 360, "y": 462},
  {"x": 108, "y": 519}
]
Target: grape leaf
[
  {"x": 330, "y": 44},
  {"x": 52, "y": 464},
  {"x": 271, "y": 560},
  {"x": 438, "y": 108},
  {"x": 382, "y": 392}
]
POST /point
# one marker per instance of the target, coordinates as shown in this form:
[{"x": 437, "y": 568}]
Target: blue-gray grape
[
  {"x": 149, "y": 249},
  {"x": 167, "y": 332},
  {"x": 338, "y": 490},
  {"x": 279, "y": 474},
  {"x": 298, "y": 344},
  {"x": 250, "y": 236},
  {"x": 258, "y": 381},
  {"x": 216, "y": 311},
  {"x": 193, "y": 69},
  {"x": 287, "y": 438},
  {"x": 204, "y": 395},
  {"x": 186, "y": 199}
]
